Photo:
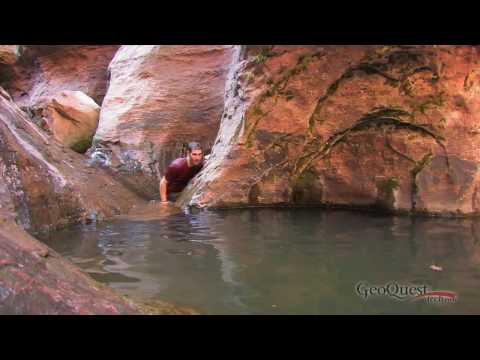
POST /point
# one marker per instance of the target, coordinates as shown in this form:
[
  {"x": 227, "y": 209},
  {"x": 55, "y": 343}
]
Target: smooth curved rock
[
  {"x": 373, "y": 127},
  {"x": 160, "y": 97},
  {"x": 73, "y": 118}
]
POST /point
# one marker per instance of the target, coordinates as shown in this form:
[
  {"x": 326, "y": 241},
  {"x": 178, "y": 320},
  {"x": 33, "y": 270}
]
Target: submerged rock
[
  {"x": 158, "y": 307},
  {"x": 35, "y": 280}
]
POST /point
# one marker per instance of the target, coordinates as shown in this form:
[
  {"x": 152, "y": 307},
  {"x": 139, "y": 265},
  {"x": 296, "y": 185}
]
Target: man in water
[{"x": 180, "y": 172}]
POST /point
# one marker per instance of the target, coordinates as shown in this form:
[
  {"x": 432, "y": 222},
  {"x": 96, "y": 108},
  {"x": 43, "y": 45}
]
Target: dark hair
[{"x": 193, "y": 146}]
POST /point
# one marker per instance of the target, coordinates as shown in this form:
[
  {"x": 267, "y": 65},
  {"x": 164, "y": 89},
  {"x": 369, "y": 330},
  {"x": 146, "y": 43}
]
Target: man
[{"x": 180, "y": 172}]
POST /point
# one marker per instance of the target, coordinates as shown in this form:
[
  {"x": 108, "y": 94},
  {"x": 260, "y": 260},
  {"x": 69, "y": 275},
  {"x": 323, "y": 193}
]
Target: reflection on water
[{"x": 280, "y": 261}]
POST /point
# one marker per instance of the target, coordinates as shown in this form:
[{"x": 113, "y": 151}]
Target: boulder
[{"x": 72, "y": 117}]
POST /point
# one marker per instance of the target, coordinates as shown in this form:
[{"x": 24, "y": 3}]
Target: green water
[{"x": 281, "y": 261}]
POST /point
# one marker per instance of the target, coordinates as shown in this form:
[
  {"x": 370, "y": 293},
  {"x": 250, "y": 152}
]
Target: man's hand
[{"x": 163, "y": 190}]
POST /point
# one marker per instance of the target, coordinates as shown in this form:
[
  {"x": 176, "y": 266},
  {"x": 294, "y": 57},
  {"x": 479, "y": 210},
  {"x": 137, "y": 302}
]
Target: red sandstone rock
[
  {"x": 387, "y": 127},
  {"x": 73, "y": 119},
  {"x": 159, "y": 98},
  {"x": 43, "y": 71}
]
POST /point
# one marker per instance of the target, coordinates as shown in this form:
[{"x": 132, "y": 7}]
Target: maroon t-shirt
[{"x": 178, "y": 175}]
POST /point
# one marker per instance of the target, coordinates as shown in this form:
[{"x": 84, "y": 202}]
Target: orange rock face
[
  {"x": 160, "y": 97},
  {"x": 382, "y": 127}
]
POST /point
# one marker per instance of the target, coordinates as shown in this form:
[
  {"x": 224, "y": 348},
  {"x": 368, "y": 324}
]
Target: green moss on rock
[{"x": 82, "y": 145}]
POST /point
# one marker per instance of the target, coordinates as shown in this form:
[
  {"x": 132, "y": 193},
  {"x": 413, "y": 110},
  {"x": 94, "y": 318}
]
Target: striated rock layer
[{"x": 394, "y": 128}]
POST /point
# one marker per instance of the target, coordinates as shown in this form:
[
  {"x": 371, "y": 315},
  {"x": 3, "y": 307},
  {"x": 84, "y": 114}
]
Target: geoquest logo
[{"x": 403, "y": 292}]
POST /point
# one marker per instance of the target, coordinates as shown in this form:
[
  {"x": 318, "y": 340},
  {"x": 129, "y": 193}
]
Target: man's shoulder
[{"x": 180, "y": 162}]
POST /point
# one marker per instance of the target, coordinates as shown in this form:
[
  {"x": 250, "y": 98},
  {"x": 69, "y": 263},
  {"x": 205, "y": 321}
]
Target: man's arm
[{"x": 163, "y": 189}]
